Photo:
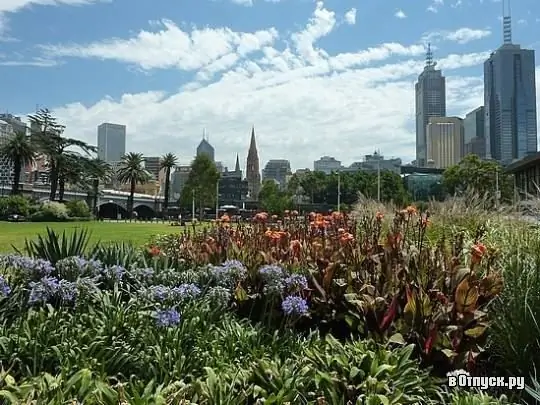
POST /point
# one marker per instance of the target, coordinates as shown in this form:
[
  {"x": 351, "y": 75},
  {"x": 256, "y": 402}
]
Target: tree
[
  {"x": 19, "y": 151},
  {"x": 132, "y": 172},
  {"x": 473, "y": 174},
  {"x": 201, "y": 184},
  {"x": 272, "y": 199},
  {"x": 46, "y": 133},
  {"x": 168, "y": 161},
  {"x": 96, "y": 171}
]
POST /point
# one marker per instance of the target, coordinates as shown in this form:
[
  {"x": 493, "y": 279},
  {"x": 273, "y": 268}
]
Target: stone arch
[
  {"x": 111, "y": 209},
  {"x": 144, "y": 211}
]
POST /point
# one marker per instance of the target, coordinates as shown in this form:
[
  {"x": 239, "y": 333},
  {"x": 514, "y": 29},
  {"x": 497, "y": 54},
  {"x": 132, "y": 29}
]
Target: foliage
[
  {"x": 82, "y": 331},
  {"x": 478, "y": 176},
  {"x": 19, "y": 151},
  {"x": 319, "y": 188},
  {"x": 51, "y": 211},
  {"x": 132, "y": 172},
  {"x": 201, "y": 184},
  {"x": 78, "y": 208},
  {"x": 14, "y": 204},
  {"x": 272, "y": 199},
  {"x": 54, "y": 247}
]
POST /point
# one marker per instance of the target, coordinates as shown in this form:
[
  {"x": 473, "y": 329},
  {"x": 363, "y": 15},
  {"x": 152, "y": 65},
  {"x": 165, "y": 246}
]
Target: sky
[{"x": 314, "y": 78}]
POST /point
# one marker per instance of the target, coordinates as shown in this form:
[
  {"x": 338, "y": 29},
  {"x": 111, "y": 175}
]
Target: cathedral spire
[
  {"x": 237, "y": 166},
  {"x": 252, "y": 143},
  {"x": 253, "y": 175}
]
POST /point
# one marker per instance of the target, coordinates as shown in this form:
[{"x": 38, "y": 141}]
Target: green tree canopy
[
  {"x": 19, "y": 151},
  {"x": 167, "y": 162},
  {"x": 201, "y": 184},
  {"x": 132, "y": 172},
  {"x": 473, "y": 174},
  {"x": 272, "y": 199}
]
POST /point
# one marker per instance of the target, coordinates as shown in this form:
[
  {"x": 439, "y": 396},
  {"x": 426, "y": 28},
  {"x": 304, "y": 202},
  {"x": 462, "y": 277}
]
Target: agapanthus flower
[
  {"x": 115, "y": 272},
  {"x": 67, "y": 290},
  {"x": 168, "y": 317},
  {"x": 145, "y": 273},
  {"x": 295, "y": 282},
  {"x": 271, "y": 272},
  {"x": 77, "y": 266},
  {"x": 5, "y": 289},
  {"x": 235, "y": 268},
  {"x": 159, "y": 292},
  {"x": 186, "y": 291},
  {"x": 43, "y": 290},
  {"x": 219, "y": 296},
  {"x": 31, "y": 267},
  {"x": 294, "y": 305}
]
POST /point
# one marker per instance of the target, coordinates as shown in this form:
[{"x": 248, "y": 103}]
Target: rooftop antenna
[
  {"x": 507, "y": 22},
  {"x": 429, "y": 57}
]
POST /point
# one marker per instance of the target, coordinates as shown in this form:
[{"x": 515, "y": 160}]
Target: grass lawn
[{"x": 12, "y": 233}]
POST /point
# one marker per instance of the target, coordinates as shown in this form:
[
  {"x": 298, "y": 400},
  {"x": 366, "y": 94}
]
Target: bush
[
  {"x": 51, "y": 211},
  {"x": 78, "y": 209},
  {"x": 14, "y": 204}
]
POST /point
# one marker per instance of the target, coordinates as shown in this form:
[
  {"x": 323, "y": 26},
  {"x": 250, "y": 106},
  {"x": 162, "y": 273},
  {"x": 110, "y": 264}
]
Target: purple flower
[
  {"x": 115, "y": 272},
  {"x": 294, "y": 305},
  {"x": 32, "y": 267},
  {"x": 271, "y": 273},
  {"x": 295, "y": 282},
  {"x": 160, "y": 292},
  {"x": 186, "y": 291},
  {"x": 75, "y": 266},
  {"x": 67, "y": 290},
  {"x": 5, "y": 290},
  {"x": 235, "y": 268},
  {"x": 43, "y": 290},
  {"x": 168, "y": 317}
]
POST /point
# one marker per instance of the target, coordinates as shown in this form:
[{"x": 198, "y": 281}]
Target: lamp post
[
  {"x": 338, "y": 190},
  {"x": 217, "y": 199},
  {"x": 193, "y": 206},
  {"x": 379, "y": 177},
  {"x": 115, "y": 209}
]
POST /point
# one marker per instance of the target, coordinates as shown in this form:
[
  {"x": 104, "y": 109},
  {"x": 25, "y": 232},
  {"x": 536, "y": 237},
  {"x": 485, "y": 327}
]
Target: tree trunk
[
  {"x": 61, "y": 188},
  {"x": 131, "y": 198},
  {"x": 17, "y": 167},
  {"x": 166, "y": 196},
  {"x": 53, "y": 179},
  {"x": 95, "y": 197}
]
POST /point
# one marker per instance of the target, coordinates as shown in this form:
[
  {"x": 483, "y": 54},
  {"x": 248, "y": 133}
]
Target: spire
[
  {"x": 237, "y": 166},
  {"x": 429, "y": 57},
  {"x": 507, "y": 22},
  {"x": 252, "y": 143}
]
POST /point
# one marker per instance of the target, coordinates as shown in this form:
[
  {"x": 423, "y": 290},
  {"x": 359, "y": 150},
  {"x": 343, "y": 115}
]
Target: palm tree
[
  {"x": 97, "y": 170},
  {"x": 19, "y": 151},
  {"x": 132, "y": 172},
  {"x": 168, "y": 161}
]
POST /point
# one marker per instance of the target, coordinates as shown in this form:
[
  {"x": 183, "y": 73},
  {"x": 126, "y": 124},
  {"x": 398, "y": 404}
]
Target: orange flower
[
  {"x": 225, "y": 218},
  {"x": 346, "y": 237},
  {"x": 154, "y": 251},
  {"x": 294, "y": 213},
  {"x": 341, "y": 230},
  {"x": 411, "y": 210},
  {"x": 295, "y": 247},
  {"x": 477, "y": 252},
  {"x": 379, "y": 216}
]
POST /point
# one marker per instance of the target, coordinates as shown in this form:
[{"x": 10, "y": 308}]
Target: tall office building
[
  {"x": 430, "y": 102},
  {"x": 474, "y": 139},
  {"x": 444, "y": 141},
  {"x": 510, "y": 100},
  {"x": 205, "y": 148},
  {"x": 111, "y": 142}
]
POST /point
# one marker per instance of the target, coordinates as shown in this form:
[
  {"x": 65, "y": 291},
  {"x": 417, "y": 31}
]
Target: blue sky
[{"x": 315, "y": 78}]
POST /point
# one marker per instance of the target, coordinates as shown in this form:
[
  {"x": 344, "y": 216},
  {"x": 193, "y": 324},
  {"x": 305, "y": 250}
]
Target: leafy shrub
[
  {"x": 78, "y": 209},
  {"x": 14, "y": 204},
  {"x": 51, "y": 211}
]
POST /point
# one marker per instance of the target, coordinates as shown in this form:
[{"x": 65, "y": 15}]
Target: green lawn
[{"x": 138, "y": 233}]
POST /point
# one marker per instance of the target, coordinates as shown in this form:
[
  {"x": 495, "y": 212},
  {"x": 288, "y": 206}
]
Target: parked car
[{"x": 16, "y": 218}]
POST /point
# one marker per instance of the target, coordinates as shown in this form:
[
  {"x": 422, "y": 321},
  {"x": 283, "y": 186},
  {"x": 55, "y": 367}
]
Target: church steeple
[
  {"x": 237, "y": 166},
  {"x": 253, "y": 175}
]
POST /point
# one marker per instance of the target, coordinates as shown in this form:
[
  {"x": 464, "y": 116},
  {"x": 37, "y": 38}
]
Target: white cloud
[
  {"x": 350, "y": 16},
  {"x": 303, "y": 101},
  {"x": 461, "y": 35},
  {"x": 400, "y": 14},
  {"x": 435, "y": 5}
]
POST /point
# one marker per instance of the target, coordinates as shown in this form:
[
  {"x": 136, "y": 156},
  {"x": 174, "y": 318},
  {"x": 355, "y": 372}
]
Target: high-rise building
[
  {"x": 430, "y": 102},
  {"x": 111, "y": 142},
  {"x": 205, "y": 148},
  {"x": 327, "y": 165},
  {"x": 510, "y": 100},
  {"x": 253, "y": 174},
  {"x": 444, "y": 141},
  {"x": 178, "y": 180},
  {"x": 15, "y": 122},
  {"x": 473, "y": 135},
  {"x": 278, "y": 170},
  {"x": 153, "y": 165}
]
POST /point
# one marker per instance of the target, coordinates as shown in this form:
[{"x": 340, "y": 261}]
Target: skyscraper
[
  {"x": 253, "y": 174},
  {"x": 510, "y": 100},
  {"x": 430, "y": 102},
  {"x": 444, "y": 144},
  {"x": 474, "y": 139},
  {"x": 111, "y": 142},
  {"x": 205, "y": 148}
]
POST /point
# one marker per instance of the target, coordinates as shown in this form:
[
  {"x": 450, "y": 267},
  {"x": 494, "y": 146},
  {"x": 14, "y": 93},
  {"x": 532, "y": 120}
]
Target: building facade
[
  {"x": 327, "y": 165},
  {"x": 205, "y": 148},
  {"x": 376, "y": 162},
  {"x": 178, "y": 180},
  {"x": 253, "y": 173},
  {"x": 153, "y": 165},
  {"x": 111, "y": 142},
  {"x": 444, "y": 141},
  {"x": 510, "y": 103},
  {"x": 278, "y": 170},
  {"x": 6, "y": 166},
  {"x": 430, "y": 102},
  {"x": 474, "y": 134}
]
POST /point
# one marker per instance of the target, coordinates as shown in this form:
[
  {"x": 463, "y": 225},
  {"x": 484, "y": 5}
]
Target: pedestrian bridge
[{"x": 110, "y": 203}]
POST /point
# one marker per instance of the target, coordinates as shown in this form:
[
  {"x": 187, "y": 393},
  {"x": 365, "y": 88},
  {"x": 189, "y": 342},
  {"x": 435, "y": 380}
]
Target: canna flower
[
  {"x": 295, "y": 247},
  {"x": 225, "y": 218},
  {"x": 154, "y": 251},
  {"x": 477, "y": 252},
  {"x": 411, "y": 210},
  {"x": 379, "y": 216},
  {"x": 346, "y": 237}
]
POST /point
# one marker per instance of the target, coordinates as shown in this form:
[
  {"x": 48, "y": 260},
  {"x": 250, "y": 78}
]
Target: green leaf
[
  {"x": 397, "y": 338},
  {"x": 240, "y": 294}
]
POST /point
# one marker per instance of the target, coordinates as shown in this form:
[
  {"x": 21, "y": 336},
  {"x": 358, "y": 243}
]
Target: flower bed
[{"x": 240, "y": 314}]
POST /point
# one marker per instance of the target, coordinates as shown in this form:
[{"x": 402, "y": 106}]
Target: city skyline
[{"x": 323, "y": 75}]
